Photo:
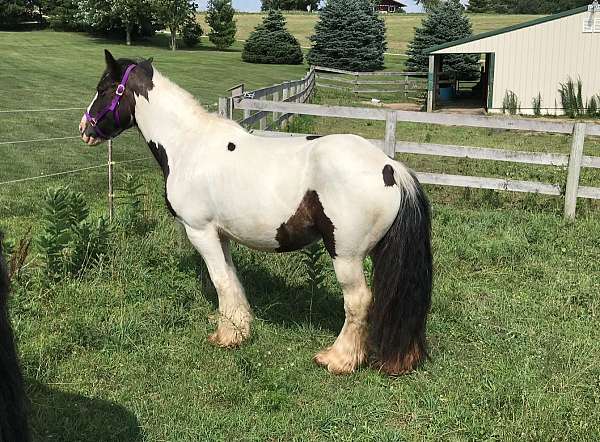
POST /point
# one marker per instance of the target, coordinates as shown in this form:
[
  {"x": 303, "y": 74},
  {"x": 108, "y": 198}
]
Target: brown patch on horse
[
  {"x": 388, "y": 175},
  {"x": 306, "y": 225},
  {"x": 403, "y": 364}
]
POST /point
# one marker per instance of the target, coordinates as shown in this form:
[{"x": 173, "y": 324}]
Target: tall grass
[
  {"x": 536, "y": 104},
  {"x": 571, "y": 98},
  {"x": 511, "y": 103}
]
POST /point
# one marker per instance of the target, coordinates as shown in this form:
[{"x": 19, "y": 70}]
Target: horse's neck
[{"x": 171, "y": 116}]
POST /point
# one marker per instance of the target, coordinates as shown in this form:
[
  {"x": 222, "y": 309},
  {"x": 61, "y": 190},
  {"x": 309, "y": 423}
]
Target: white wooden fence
[
  {"x": 575, "y": 160},
  {"x": 413, "y": 85},
  {"x": 297, "y": 91}
]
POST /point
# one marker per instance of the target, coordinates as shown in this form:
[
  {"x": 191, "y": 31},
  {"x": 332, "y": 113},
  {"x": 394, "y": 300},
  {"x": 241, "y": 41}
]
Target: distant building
[
  {"x": 390, "y": 6},
  {"x": 530, "y": 59}
]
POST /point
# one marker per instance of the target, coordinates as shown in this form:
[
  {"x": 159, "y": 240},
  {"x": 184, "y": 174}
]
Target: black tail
[
  {"x": 402, "y": 284},
  {"x": 13, "y": 417}
]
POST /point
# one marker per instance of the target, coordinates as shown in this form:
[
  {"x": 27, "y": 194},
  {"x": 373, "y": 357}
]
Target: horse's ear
[
  {"x": 111, "y": 64},
  {"x": 150, "y": 60}
]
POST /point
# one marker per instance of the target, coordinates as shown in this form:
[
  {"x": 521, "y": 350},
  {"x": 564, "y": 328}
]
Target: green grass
[
  {"x": 400, "y": 27},
  {"x": 121, "y": 353}
]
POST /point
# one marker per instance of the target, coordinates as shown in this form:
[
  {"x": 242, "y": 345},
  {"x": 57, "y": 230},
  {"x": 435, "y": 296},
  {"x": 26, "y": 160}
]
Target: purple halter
[{"x": 113, "y": 105}]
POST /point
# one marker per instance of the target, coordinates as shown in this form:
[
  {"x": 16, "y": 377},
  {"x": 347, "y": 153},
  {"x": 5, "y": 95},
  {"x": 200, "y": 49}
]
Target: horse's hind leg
[
  {"x": 234, "y": 311},
  {"x": 349, "y": 350}
]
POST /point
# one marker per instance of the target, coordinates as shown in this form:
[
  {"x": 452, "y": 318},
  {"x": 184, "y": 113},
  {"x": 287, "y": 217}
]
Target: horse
[
  {"x": 13, "y": 413},
  {"x": 225, "y": 184}
]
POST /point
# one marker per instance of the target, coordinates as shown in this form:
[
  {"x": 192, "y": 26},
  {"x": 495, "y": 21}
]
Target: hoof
[
  {"x": 337, "y": 362},
  {"x": 228, "y": 336}
]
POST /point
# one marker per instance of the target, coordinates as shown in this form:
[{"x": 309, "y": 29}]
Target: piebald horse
[{"x": 281, "y": 194}]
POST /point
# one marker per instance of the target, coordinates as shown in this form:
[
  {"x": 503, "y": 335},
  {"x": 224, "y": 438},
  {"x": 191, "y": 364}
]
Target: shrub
[
  {"x": 70, "y": 240},
  {"x": 510, "y": 103},
  {"x": 349, "y": 35},
  {"x": 271, "y": 43},
  {"x": 571, "y": 98},
  {"x": 536, "y": 104},
  {"x": 191, "y": 33},
  {"x": 131, "y": 215}
]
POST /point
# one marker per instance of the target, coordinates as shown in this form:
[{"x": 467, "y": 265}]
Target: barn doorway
[{"x": 450, "y": 94}]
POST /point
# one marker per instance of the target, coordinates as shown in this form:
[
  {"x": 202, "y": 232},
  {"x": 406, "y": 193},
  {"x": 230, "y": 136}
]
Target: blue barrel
[{"x": 446, "y": 93}]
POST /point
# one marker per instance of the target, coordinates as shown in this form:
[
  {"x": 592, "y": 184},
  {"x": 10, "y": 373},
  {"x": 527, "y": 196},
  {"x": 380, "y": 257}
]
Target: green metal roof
[{"x": 526, "y": 24}]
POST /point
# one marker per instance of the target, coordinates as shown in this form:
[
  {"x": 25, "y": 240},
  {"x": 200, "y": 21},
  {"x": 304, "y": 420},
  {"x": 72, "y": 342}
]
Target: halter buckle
[
  {"x": 93, "y": 121},
  {"x": 120, "y": 90}
]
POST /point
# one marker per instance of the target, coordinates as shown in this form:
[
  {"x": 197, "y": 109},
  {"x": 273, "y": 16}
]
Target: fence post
[
  {"x": 110, "y": 181},
  {"x": 574, "y": 171},
  {"x": 223, "y": 102},
  {"x": 285, "y": 94},
  {"x": 292, "y": 93},
  {"x": 262, "y": 123},
  {"x": 389, "y": 145},
  {"x": 275, "y": 98}
]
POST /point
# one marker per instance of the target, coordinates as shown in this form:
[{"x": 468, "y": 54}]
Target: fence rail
[
  {"x": 575, "y": 161},
  {"x": 297, "y": 91},
  {"x": 411, "y": 84}
]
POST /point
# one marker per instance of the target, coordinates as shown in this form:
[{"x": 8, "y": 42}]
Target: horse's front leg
[{"x": 234, "y": 311}]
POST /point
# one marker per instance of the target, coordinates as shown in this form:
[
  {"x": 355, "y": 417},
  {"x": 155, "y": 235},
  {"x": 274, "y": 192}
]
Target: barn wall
[{"x": 538, "y": 58}]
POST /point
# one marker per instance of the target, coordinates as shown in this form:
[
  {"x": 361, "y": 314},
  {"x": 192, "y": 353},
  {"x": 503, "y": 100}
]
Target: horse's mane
[{"x": 192, "y": 105}]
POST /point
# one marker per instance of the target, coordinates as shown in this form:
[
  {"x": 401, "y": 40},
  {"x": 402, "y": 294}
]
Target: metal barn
[{"x": 528, "y": 59}]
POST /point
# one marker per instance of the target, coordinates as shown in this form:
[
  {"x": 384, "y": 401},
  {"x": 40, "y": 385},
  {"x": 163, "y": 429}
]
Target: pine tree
[
  {"x": 445, "y": 23},
  {"x": 349, "y": 35},
  {"x": 271, "y": 42},
  {"x": 219, "y": 16},
  {"x": 479, "y": 6}
]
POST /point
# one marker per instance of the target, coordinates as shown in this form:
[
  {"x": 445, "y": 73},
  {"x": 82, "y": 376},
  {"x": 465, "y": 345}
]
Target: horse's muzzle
[{"x": 88, "y": 134}]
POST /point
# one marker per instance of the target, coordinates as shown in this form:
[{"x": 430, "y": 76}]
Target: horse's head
[{"x": 113, "y": 108}]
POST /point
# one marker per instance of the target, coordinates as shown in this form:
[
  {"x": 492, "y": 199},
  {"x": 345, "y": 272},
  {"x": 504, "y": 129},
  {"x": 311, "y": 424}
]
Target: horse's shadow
[
  {"x": 58, "y": 415},
  {"x": 274, "y": 299}
]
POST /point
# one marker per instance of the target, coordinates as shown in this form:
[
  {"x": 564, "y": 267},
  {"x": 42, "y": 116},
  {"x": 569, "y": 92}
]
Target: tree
[
  {"x": 525, "y": 6},
  {"x": 12, "y": 12},
  {"x": 130, "y": 12},
  {"x": 479, "y": 6},
  {"x": 271, "y": 42},
  {"x": 289, "y": 5},
  {"x": 219, "y": 16},
  {"x": 191, "y": 33},
  {"x": 444, "y": 23},
  {"x": 174, "y": 14},
  {"x": 350, "y": 34},
  {"x": 65, "y": 15},
  {"x": 126, "y": 18},
  {"x": 428, "y": 4}
]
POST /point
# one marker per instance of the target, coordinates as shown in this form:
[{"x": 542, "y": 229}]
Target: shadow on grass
[
  {"x": 61, "y": 416},
  {"x": 161, "y": 41},
  {"x": 273, "y": 298}
]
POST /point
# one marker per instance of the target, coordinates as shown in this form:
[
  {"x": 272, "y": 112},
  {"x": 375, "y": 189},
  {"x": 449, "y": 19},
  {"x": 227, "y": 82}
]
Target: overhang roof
[{"x": 526, "y": 24}]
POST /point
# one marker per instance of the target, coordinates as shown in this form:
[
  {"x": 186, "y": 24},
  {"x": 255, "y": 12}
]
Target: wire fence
[{"x": 6, "y": 180}]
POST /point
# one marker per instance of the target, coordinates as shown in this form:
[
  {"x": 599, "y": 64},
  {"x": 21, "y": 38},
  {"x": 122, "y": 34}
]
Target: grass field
[
  {"x": 400, "y": 27},
  {"x": 121, "y": 352}
]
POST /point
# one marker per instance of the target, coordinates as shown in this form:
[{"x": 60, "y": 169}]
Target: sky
[{"x": 254, "y": 5}]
